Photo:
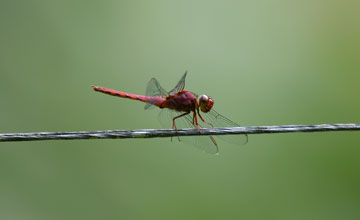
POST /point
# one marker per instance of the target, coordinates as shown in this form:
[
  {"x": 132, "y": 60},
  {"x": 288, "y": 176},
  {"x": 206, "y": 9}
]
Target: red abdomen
[{"x": 149, "y": 99}]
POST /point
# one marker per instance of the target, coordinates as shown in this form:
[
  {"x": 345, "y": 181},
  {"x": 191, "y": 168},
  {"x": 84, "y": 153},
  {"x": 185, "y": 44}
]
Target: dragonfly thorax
[{"x": 205, "y": 103}]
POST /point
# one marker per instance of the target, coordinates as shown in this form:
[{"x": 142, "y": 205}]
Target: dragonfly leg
[
  {"x": 213, "y": 140},
  {"x": 195, "y": 122},
  {"x": 202, "y": 119},
  {"x": 198, "y": 127},
  {"x": 179, "y": 116}
]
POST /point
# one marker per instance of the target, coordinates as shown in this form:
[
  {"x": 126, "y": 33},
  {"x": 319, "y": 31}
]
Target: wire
[{"x": 154, "y": 133}]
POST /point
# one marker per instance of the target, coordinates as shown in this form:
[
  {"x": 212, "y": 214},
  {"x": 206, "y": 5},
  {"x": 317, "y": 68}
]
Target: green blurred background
[{"x": 264, "y": 62}]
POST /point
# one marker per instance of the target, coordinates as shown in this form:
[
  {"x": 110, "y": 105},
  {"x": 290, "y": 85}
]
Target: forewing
[
  {"x": 220, "y": 121},
  {"x": 154, "y": 89},
  {"x": 180, "y": 85}
]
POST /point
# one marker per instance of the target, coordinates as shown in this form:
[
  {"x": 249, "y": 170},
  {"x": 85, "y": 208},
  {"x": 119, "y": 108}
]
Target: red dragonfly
[{"x": 183, "y": 103}]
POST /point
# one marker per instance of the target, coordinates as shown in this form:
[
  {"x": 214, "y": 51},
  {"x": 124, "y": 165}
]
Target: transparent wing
[
  {"x": 180, "y": 85},
  {"x": 154, "y": 88},
  {"x": 203, "y": 143},
  {"x": 219, "y": 121}
]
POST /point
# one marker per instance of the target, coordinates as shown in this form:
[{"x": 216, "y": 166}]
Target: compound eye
[{"x": 205, "y": 103}]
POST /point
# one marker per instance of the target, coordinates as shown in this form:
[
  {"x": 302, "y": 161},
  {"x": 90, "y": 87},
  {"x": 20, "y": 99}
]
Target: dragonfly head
[{"x": 205, "y": 103}]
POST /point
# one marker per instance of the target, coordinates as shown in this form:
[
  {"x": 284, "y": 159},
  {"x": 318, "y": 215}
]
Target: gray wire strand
[{"x": 153, "y": 133}]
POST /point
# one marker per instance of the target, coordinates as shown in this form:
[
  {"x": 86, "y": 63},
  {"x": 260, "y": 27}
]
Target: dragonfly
[{"x": 183, "y": 109}]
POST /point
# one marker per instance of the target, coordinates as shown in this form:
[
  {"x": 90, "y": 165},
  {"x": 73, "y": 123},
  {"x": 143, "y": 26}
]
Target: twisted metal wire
[{"x": 153, "y": 133}]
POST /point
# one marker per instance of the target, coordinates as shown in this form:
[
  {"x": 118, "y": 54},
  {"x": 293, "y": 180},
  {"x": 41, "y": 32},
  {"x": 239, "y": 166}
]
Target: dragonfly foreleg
[
  {"x": 213, "y": 140},
  {"x": 202, "y": 119}
]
